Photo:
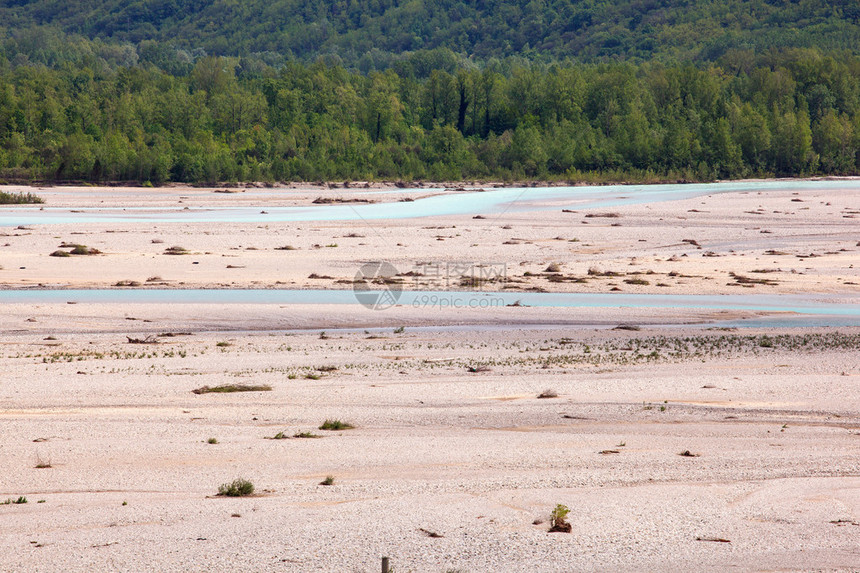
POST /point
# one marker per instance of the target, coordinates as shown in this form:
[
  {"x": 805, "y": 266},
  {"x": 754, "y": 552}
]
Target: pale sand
[
  {"x": 474, "y": 457},
  {"x": 812, "y": 238}
]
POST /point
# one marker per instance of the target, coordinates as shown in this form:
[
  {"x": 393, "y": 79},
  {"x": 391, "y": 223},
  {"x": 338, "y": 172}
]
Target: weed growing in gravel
[
  {"x": 226, "y": 388},
  {"x": 19, "y": 198},
  {"x": 558, "y": 523},
  {"x": 306, "y": 435},
  {"x": 238, "y": 488},
  {"x": 83, "y": 250},
  {"x": 329, "y": 480},
  {"x": 336, "y": 425}
]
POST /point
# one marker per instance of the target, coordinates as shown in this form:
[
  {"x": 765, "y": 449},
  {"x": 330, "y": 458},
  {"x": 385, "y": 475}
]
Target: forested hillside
[
  {"x": 555, "y": 89},
  {"x": 371, "y": 32}
]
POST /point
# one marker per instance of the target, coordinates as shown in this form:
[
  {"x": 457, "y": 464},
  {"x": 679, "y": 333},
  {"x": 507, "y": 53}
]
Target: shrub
[
  {"x": 83, "y": 250},
  {"x": 226, "y": 388},
  {"x": 19, "y": 198},
  {"x": 558, "y": 522},
  {"x": 238, "y": 488},
  {"x": 306, "y": 435},
  {"x": 335, "y": 425}
]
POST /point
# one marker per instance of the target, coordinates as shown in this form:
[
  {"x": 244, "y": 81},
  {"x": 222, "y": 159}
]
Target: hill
[
  {"x": 223, "y": 90},
  {"x": 369, "y": 33}
]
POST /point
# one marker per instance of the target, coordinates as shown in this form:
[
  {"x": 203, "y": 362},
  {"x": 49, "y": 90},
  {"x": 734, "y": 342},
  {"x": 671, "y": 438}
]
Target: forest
[
  {"x": 370, "y": 34},
  {"x": 124, "y": 105}
]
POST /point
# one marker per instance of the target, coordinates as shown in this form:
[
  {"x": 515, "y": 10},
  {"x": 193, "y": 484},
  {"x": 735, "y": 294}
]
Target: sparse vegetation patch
[{"x": 227, "y": 388}]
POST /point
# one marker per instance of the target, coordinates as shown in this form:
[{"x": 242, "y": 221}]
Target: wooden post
[{"x": 385, "y": 565}]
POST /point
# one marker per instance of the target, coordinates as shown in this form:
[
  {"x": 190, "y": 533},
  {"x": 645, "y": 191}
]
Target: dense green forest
[
  {"x": 371, "y": 33},
  {"x": 797, "y": 113},
  {"x": 585, "y": 90}
]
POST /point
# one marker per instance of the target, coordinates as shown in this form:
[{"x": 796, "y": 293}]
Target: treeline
[
  {"x": 230, "y": 119},
  {"x": 369, "y": 34}
]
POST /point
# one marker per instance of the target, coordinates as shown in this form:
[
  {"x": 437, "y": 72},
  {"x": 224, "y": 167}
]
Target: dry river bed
[
  {"x": 677, "y": 443},
  {"x": 675, "y": 449}
]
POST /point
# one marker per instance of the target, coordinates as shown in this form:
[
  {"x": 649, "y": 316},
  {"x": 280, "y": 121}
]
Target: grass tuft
[
  {"x": 335, "y": 425},
  {"x": 238, "y": 488},
  {"x": 227, "y": 388},
  {"x": 306, "y": 435},
  {"x": 19, "y": 198}
]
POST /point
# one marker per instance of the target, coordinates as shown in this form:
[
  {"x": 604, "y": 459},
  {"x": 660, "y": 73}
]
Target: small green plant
[
  {"x": 312, "y": 376},
  {"x": 212, "y": 441},
  {"x": 19, "y": 198},
  {"x": 176, "y": 250},
  {"x": 329, "y": 480},
  {"x": 306, "y": 435},
  {"x": 227, "y": 388},
  {"x": 124, "y": 503},
  {"x": 279, "y": 436},
  {"x": 223, "y": 344},
  {"x": 238, "y": 488},
  {"x": 42, "y": 463},
  {"x": 59, "y": 253},
  {"x": 548, "y": 393},
  {"x": 11, "y": 501},
  {"x": 399, "y": 330},
  {"x": 335, "y": 425},
  {"x": 558, "y": 522},
  {"x": 84, "y": 250}
]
